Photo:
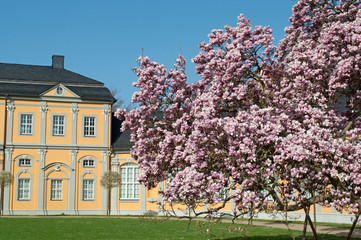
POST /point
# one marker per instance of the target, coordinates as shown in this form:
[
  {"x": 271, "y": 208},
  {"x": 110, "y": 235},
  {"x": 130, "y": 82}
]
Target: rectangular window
[
  {"x": 24, "y": 162},
  {"x": 88, "y": 163},
  {"x": 223, "y": 193},
  {"x": 129, "y": 187},
  {"x": 88, "y": 189},
  {"x": 89, "y": 126},
  {"x": 58, "y": 125},
  {"x": 24, "y": 189},
  {"x": 56, "y": 189},
  {"x": 26, "y": 124}
]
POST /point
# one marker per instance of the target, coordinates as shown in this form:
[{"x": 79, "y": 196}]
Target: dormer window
[{"x": 59, "y": 91}]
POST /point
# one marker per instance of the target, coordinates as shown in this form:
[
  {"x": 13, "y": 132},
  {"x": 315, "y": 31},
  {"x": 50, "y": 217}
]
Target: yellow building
[{"x": 55, "y": 138}]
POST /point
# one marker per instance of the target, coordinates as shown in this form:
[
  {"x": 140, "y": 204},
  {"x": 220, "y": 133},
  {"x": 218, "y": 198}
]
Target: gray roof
[
  {"x": 42, "y": 74},
  {"x": 31, "y": 81},
  {"x": 120, "y": 141}
]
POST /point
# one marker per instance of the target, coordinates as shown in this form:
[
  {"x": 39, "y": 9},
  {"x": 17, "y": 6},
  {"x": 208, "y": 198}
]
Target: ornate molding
[
  {"x": 57, "y": 167},
  {"x": 10, "y": 108},
  {"x": 43, "y": 111},
  {"x": 74, "y": 111},
  {"x": 106, "y": 114},
  {"x": 42, "y": 152},
  {"x": 73, "y": 157},
  {"x": 73, "y": 152},
  {"x": 8, "y": 150},
  {"x": 105, "y": 153}
]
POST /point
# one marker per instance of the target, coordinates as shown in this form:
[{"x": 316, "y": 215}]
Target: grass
[
  {"x": 121, "y": 228},
  {"x": 338, "y": 225}
]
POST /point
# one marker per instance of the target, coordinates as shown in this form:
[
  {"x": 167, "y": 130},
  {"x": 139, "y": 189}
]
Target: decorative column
[
  {"x": 43, "y": 110},
  {"x": 106, "y": 129},
  {"x": 8, "y": 153},
  {"x": 114, "y": 190},
  {"x": 72, "y": 180},
  {"x": 74, "y": 116},
  {"x": 104, "y": 190},
  {"x": 9, "y": 126},
  {"x": 41, "y": 189}
]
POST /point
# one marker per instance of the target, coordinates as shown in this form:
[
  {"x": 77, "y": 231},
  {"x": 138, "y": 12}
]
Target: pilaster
[
  {"x": 106, "y": 112},
  {"x": 43, "y": 111},
  {"x": 41, "y": 189},
  {"x": 104, "y": 169},
  {"x": 10, "y": 121},
  {"x": 74, "y": 128},
  {"x": 8, "y": 160},
  {"x": 114, "y": 190},
  {"x": 72, "y": 180}
]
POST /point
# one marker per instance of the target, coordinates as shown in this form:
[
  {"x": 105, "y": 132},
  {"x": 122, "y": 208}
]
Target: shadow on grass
[{"x": 287, "y": 237}]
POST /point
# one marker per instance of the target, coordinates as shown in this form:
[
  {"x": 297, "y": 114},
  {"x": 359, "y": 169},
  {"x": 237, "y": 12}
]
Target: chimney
[{"x": 58, "y": 62}]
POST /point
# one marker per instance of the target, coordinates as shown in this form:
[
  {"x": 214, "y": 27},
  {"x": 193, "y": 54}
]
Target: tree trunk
[
  {"x": 307, "y": 211},
  {"x": 353, "y": 225},
  {"x": 108, "y": 203},
  {"x": 304, "y": 228},
  {"x": 1, "y": 200}
]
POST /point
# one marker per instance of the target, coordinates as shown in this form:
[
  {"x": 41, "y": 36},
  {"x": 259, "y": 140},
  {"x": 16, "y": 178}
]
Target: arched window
[
  {"x": 24, "y": 180},
  {"x": 88, "y": 180},
  {"x": 129, "y": 187}
]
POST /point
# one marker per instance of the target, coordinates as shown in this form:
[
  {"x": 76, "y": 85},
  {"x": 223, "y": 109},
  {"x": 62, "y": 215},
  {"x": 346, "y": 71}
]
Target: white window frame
[
  {"x": 24, "y": 126},
  {"x": 87, "y": 161},
  {"x": 87, "y": 127},
  {"x": 129, "y": 186},
  {"x": 22, "y": 190},
  {"x": 56, "y": 126},
  {"x": 86, "y": 190},
  {"x": 56, "y": 187},
  {"x": 59, "y": 91},
  {"x": 25, "y": 162}
]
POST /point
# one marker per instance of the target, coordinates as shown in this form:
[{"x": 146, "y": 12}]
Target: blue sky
[{"x": 103, "y": 39}]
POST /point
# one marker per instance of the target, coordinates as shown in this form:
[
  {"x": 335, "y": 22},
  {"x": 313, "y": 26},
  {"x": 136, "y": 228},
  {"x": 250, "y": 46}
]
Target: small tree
[
  {"x": 110, "y": 180},
  {"x": 5, "y": 180}
]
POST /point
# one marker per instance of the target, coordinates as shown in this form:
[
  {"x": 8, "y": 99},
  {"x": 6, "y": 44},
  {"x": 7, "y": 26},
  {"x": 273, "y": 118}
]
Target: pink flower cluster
[{"x": 265, "y": 122}]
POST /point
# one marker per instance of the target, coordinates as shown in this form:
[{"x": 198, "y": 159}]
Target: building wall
[{"x": 54, "y": 157}]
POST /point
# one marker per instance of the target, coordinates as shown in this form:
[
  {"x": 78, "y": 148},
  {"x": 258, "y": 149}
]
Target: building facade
[{"x": 55, "y": 139}]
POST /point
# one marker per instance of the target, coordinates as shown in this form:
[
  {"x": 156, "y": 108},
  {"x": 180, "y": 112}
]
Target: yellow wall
[
  {"x": 58, "y": 150},
  {"x": 35, "y": 136},
  {"x": 61, "y": 109},
  {"x": 97, "y": 171},
  {"x": 19, "y": 171},
  {"x": 57, "y": 204},
  {"x": 88, "y": 110}
]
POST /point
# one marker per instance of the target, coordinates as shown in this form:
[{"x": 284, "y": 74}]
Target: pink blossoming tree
[{"x": 263, "y": 122}]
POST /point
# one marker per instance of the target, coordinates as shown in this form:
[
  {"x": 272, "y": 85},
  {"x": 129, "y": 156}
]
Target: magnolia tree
[{"x": 264, "y": 121}]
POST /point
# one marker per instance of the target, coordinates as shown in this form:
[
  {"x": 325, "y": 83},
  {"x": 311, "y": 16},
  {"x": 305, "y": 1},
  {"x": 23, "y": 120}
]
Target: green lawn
[{"x": 121, "y": 228}]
